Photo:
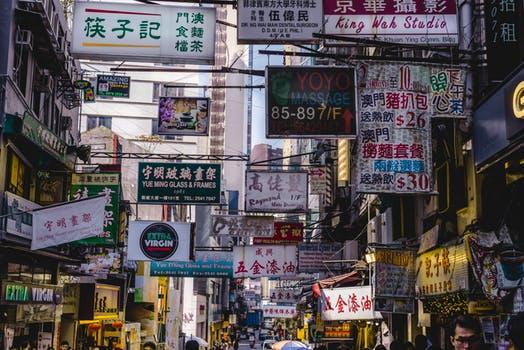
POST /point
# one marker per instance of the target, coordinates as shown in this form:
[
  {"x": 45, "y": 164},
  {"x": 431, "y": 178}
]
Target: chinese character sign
[
  {"x": 318, "y": 180},
  {"x": 181, "y": 183},
  {"x": 167, "y": 34},
  {"x": 68, "y": 222},
  {"x": 279, "y": 311},
  {"x": 283, "y": 295},
  {"x": 242, "y": 225},
  {"x": 349, "y": 303},
  {"x": 396, "y": 104},
  {"x": 108, "y": 185},
  {"x": 264, "y": 261},
  {"x": 276, "y": 191},
  {"x": 278, "y": 22},
  {"x": 183, "y": 116},
  {"x": 285, "y": 233},
  {"x": 310, "y": 101},
  {"x": 394, "y": 273},
  {"x": 401, "y": 21}
]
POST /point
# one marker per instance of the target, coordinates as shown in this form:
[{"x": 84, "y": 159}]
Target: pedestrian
[
  {"x": 235, "y": 344},
  {"x": 396, "y": 345},
  {"x": 466, "y": 333},
  {"x": 149, "y": 345},
  {"x": 64, "y": 345},
  {"x": 409, "y": 346},
  {"x": 516, "y": 331}
]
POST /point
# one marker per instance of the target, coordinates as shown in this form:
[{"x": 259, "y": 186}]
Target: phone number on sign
[{"x": 308, "y": 113}]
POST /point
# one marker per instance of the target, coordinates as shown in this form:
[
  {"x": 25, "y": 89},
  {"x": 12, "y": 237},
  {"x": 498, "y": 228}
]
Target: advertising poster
[
  {"x": 348, "y": 303},
  {"x": 264, "y": 261},
  {"x": 113, "y": 85},
  {"x": 68, "y": 222},
  {"x": 108, "y": 185},
  {"x": 394, "y": 273},
  {"x": 159, "y": 241},
  {"x": 400, "y": 21},
  {"x": 137, "y": 32},
  {"x": 242, "y": 225},
  {"x": 292, "y": 21},
  {"x": 180, "y": 183},
  {"x": 310, "y": 102},
  {"x": 20, "y": 221},
  {"x": 276, "y": 191},
  {"x": 183, "y": 116},
  {"x": 318, "y": 180},
  {"x": 102, "y": 263},
  {"x": 285, "y": 233},
  {"x": 396, "y": 104},
  {"x": 312, "y": 255},
  {"x": 279, "y": 311},
  {"x": 206, "y": 264}
]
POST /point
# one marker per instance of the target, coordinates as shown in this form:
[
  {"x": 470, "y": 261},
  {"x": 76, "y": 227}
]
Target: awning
[{"x": 345, "y": 280}]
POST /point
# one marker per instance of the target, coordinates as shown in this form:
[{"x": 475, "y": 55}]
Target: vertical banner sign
[
  {"x": 183, "y": 116},
  {"x": 113, "y": 85},
  {"x": 107, "y": 184},
  {"x": 165, "y": 34},
  {"x": 264, "y": 261},
  {"x": 349, "y": 303},
  {"x": 400, "y": 21},
  {"x": 180, "y": 183},
  {"x": 396, "y": 104},
  {"x": 394, "y": 273},
  {"x": 504, "y": 30},
  {"x": 310, "y": 102},
  {"x": 317, "y": 180},
  {"x": 292, "y": 21},
  {"x": 276, "y": 191},
  {"x": 285, "y": 233}
]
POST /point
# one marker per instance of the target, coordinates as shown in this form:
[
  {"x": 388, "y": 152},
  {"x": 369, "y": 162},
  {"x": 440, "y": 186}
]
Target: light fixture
[{"x": 370, "y": 258}]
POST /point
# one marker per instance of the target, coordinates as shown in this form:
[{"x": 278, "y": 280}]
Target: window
[
  {"x": 157, "y": 89},
  {"x": 18, "y": 179},
  {"x": 93, "y": 122},
  {"x": 21, "y": 63},
  {"x": 30, "y": 274}
]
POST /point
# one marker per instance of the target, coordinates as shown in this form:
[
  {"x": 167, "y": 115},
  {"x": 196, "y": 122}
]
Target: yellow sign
[{"x": 517, "y": 101}]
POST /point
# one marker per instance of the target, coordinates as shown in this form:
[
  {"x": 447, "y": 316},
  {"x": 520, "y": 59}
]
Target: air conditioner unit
[
  {"x": 374, "y": 227},
  {"x": 386, "y": 223},
  {"x": 67, "y": 123},
  {"x": 25, "y": 38}
]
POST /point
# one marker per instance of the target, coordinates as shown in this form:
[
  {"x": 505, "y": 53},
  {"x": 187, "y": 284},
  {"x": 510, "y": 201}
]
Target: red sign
[{"x": 285, "y": 232}]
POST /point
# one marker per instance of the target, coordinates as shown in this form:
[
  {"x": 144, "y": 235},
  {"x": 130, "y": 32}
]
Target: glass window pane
[
  {"x": 26, "y": 274},
  {"x": 13, "y": 271},
  {"x": 104, "y": 121}
]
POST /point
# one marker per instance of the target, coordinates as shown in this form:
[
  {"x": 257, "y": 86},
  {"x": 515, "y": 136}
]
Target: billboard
[
  {"x": 310, "y": 102},
  {"x": 263, "y": 23},
  {"x": 285, "y": 233},
  {"x": 242, "y": 225},
  {"x": 206, "y": 264},
  {"x": 136, "y": 32},
  {"x": 113, "y": 85},
  {"x": 396, "y": 104},
  {"x": 276, "y": 191},
  {"x": 183, "y": 116},
  {"x": 400, "y": 21},
  {"x": 264, "y": 261},
  {"x": 180, "y": 183}
]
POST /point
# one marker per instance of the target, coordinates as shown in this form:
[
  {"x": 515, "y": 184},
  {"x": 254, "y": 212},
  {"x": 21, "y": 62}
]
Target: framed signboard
[
  {"x": 113, "y": 85},
  {"x": 183, "y": 116}
]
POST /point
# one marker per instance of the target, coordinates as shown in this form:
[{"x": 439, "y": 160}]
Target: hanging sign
[
  {"x": 442, "y": 270},
  {"x": 428, "y": 239},
  {"x": 276, "y": 191},
  {"x": 396, "y": 104},
  {"x": 394, "y": 273},
  {"x": 317, "y": 180},
  {"x": 400, "y": 21},
  {"x": 279, "y": 311},
  {"x": 207, "y": 264},
  {"x": 25, "y": 293},
  {"x": 348, "y": 303},
  {"x": 68, "y": 222},
  {"x": 264, "y": 261},
  {"x": 283, "y": 295},
  {"x": 20, "y": 220},
  {"x": 180, "y": 183},
  {"x": 107, "y": 184},
  {"x": 242, "y": 225},
  {"x": 158, "y": 241},
  {"x": 113, "y": 85},
  {"x": 291, "y": 22},
  {"x": 285, "y": 233},
  {"x": 183, "y": 116},
  {"x": 312, "y": 255},
  {"x": 165, "y": 34},
  {"x": 306, "y": 101}
]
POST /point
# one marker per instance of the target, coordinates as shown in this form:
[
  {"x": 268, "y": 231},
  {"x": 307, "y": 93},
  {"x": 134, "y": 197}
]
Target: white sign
[
  {"x": 165, "y": 34},
  {"x": 348, "y": 303},
  {"x": 400, "y": 21},
  {"x": 276, "y": 191},
  {"x": 279, "y": 311},
  {"x": 317, "y": 180},
  {"x": 283, "y": 295},
  {"x": 20, "y": 222},
  {"x": 264, "y": 261},
  {"x": 68, "y": 222},
  {"x": 292, "y": 21},
  {"x": 242, "y": 226},
  {"x": 159, "y": 241}
]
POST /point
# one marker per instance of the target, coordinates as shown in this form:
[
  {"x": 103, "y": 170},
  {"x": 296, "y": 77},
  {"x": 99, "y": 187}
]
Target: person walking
[{"x": 466, "y": 333}]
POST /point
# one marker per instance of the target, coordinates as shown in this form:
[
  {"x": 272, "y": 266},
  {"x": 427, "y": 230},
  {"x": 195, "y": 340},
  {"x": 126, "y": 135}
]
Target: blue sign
[{"x": 206, "y": 264}]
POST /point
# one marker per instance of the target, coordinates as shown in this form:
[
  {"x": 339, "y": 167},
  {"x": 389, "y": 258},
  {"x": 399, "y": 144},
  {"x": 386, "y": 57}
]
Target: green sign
[
  {"x": 179, "y": 183},
  {"x": 41, "y": 136},
  {"x": 16, "y": 292},
  {"x": 112, "y": 85},
  {"x": 108, "y": 184}
]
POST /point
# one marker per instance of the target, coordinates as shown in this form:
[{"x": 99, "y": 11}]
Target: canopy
[{"x": 199, "y": 340}]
